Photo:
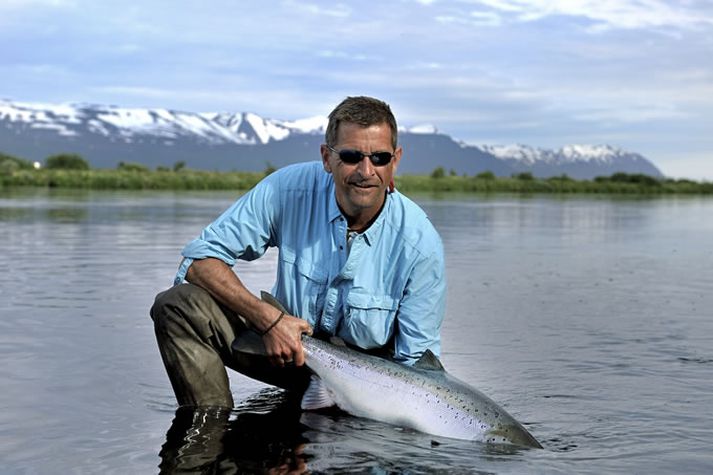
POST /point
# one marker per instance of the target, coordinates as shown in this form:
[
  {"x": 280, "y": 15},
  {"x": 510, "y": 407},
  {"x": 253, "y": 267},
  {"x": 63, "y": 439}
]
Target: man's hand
[{"x": 284, "y": 341}]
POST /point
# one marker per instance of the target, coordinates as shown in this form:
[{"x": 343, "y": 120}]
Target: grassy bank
[
  {"x": 619, "y": 183},
  {"x": 186, "y": 179},
  {"x": 132, "y": 180},
  {"x": 73, "y": 171}
]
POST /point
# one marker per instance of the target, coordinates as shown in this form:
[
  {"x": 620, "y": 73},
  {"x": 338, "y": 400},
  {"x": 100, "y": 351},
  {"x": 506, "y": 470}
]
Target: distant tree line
[{"x": 71, "y": 170}]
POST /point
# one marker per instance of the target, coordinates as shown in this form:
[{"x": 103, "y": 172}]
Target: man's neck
[{"x": 360, "y": 222}]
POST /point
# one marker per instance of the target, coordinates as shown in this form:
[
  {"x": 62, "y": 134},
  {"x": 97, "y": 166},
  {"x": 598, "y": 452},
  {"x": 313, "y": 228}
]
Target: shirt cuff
[{"x": 182, "y": 270}]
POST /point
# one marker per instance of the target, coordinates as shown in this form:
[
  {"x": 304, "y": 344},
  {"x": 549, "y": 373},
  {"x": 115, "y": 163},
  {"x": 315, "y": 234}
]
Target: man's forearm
[
  {"x": 220, "y": 281},
  {"x": 282, "y": 342}
]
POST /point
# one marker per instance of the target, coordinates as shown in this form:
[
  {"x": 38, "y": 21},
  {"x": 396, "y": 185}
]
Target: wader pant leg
[{"x": 194, "y": 334}]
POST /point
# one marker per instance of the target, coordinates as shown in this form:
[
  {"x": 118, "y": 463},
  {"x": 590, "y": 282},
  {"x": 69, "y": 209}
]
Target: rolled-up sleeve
[
  {"x": 422, "y": 308},
  {"x": 244, "y": 231}
]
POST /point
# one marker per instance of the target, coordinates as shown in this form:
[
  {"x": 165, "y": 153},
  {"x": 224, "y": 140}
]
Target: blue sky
[{"x": 637, "y": 74}]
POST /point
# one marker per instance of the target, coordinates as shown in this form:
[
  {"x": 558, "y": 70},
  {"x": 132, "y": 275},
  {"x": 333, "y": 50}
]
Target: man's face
[{"x": 361, "y": 187}]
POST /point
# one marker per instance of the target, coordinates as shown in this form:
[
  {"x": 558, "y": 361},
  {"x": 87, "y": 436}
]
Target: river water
[{"x": 590, "y": 319}]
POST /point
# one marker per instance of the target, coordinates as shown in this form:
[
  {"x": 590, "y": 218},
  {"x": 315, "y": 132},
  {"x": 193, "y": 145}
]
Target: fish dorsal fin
[
  {"x": 267, "y": 297},
  {"x": 429, "y": 361},
  {"x": 317, "y": 396},
  {"x": 249, "y": 342}
]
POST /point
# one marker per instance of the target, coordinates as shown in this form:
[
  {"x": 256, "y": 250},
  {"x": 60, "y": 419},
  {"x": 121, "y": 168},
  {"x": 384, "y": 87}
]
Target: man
[{"x": 356, "y": 259}]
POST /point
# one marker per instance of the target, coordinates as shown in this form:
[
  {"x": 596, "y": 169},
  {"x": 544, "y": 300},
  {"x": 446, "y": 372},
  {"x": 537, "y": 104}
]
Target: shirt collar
[
  {"x": 334, "y": 213},
  {"x": 373, "y": 231}
]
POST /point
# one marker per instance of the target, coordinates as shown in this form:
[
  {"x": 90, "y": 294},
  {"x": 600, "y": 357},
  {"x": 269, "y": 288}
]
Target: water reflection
[
  {"x": 264, "y": 435},
  {"x": 268, "y": 433}
]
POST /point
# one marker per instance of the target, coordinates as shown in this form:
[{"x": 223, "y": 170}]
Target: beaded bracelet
[{"x": 272, "y": 325}]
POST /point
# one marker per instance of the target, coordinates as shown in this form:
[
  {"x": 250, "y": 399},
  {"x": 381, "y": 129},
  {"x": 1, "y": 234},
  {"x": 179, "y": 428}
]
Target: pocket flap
[
  {"x": 304, "y": 266},
  {"x": 364, "y": 300}
]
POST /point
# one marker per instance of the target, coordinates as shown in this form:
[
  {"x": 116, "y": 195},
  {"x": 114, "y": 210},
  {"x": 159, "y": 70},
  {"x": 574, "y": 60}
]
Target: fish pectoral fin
[
  {"x": 336, "y": 341},
  {"x": 429, "y": 361},
  {"x": 317, "y": 396}
]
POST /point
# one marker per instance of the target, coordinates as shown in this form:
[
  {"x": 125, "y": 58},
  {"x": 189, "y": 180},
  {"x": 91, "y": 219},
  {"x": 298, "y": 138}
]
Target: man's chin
[
  {"x": 365, "y": 197},
  {"x": 357, "y": 191}
]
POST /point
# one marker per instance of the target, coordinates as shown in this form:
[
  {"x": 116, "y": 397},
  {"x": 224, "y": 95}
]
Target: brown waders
[{"x": 194, "y": 334}]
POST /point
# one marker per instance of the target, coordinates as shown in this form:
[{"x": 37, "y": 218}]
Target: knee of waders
[
  {"x": 189, "y": 308},
  {"x": 179, "y": 300}
]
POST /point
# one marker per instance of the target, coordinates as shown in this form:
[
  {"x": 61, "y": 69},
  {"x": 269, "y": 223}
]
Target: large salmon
[{"x": 422, "y": 397}]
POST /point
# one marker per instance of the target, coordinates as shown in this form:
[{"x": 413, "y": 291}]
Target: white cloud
[
  {"x": 333, "y": 10},
  {"x": 624, "y": 14},
  {"x": 474, "y": 18},
  {"x": 485, "y": 18},
  {"x": 331, "y": 54},
  {"x": 12, "y": 10},
  {"x": 144, "y": 92},
  {"x": 624, "y": 113},
  {"x": 23, "y": 4}
]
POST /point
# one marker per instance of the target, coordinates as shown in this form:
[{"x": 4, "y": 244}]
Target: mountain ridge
[{"x": 108, "y": 134}]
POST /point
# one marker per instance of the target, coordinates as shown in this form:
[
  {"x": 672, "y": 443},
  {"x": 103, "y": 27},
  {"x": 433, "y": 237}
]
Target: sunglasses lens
[
  {"x": 353, "y": 157},
  {"x": 380, "y": 158},
  {"x": 350, "y": 156}
]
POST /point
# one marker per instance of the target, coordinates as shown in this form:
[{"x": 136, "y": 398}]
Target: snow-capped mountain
[
  {"x": 105, "y": 135},
  {"x": 527, "y": 155},
  {"x": 571, "y": 159},
  {"x": 126, "y": 124}
]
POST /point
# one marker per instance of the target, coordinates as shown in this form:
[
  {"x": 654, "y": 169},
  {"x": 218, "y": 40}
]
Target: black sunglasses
[{"x": 352, "y": 157}]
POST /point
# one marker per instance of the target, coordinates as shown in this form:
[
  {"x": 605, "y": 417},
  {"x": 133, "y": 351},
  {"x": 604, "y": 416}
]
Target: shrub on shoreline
[
  {"x": 134, "y": 178},
  {"x": 72, "y": 171}
]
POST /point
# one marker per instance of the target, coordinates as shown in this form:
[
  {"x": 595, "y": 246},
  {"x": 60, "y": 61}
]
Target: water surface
[{"x": 587, "y": 318}]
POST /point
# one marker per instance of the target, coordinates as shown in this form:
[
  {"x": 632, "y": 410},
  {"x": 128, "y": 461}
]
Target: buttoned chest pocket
[
  {"x": 369, "y": 318},
  {"x": 310, "y": 282}
]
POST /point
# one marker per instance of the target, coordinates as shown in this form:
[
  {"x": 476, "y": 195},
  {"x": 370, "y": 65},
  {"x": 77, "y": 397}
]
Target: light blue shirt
[{"x": 390, "y": 282}]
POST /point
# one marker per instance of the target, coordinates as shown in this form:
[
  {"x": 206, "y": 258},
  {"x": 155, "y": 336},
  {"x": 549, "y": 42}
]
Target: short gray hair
[{"x": 364, "y": 111}]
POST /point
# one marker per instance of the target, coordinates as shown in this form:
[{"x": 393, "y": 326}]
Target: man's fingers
[
  {"x": 277, "y": 360},
  {"x": 299, "y": 358},
  {"x": 286, "y": 342},
  {"x": 304, "y": 327}
]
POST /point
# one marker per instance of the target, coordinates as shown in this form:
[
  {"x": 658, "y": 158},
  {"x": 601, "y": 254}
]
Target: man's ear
[
  {"x": 325, "y": 158},
  {"x": 397, "y": 158}
]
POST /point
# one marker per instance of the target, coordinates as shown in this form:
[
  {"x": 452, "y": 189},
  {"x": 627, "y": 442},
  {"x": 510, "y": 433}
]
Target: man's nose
[{"x": 365, "y": 167}]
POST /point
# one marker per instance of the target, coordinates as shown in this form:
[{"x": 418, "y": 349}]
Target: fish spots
[{"x": 496, "y": 440}]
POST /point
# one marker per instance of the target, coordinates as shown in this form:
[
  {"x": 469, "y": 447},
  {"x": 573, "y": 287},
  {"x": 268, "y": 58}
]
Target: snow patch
[
  {"x": 568, "y": 154},
  {"x": 310, "y": 125},
  {"x": 265, "y": 129},
  {"x": 423, "y": 129},
  {"x": 59, "y": 128}
]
